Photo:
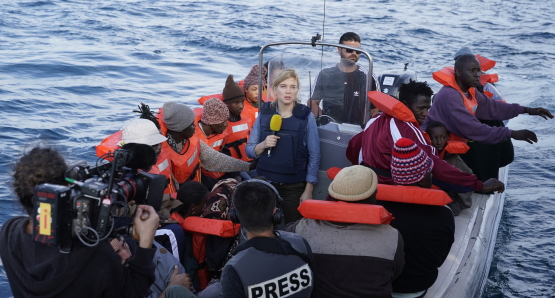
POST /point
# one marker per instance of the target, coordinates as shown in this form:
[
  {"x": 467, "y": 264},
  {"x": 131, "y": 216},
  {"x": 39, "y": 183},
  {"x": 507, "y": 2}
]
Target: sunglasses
[{"x": 350, "y": 51}]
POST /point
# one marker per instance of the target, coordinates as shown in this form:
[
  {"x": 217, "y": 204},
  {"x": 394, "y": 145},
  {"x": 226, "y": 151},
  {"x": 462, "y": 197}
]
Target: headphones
[{"x": 277, "y": 217}]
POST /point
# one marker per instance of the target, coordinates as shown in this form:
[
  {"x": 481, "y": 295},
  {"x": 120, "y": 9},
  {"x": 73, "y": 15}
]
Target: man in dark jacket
[
  {"x": 428, "y": 231},
  {"x": 353, "y": 260},
  {"x": 270, "y": 263},
  {"x": 40, "y": 270}
]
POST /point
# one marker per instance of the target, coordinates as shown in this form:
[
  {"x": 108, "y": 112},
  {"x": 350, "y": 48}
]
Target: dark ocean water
[{"x": 72, "y": 71}]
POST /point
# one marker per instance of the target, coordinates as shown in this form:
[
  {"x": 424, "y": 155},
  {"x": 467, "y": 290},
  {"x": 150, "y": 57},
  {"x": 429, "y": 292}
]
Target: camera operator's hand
[{"x": 145, "y": 225}]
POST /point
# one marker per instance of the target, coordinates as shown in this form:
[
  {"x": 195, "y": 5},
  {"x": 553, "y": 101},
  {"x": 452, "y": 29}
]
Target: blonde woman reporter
[{"x": 294, "y": 159}]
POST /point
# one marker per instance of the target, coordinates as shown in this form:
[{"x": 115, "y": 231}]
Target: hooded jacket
[{"x": 40, "y": 270}]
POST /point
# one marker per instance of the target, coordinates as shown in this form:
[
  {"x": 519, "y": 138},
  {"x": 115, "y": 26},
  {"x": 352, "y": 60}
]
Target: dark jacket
[
  {"x": 354, "y": 260},
  {"x": 428, "y": 233},
  {"x": 40, "y": 270}
]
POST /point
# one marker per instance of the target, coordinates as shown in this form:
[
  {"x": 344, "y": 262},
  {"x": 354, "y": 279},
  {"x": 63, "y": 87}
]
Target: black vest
[
  {"x": 289, "y": 160},
  {"x": 267, "y": 274}
]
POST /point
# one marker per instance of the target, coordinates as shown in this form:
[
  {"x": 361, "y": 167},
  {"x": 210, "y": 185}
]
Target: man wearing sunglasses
[{"x": 342, "y": 87}]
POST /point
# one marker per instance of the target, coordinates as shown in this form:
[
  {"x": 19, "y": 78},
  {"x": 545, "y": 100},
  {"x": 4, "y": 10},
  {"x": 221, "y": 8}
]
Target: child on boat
[
  {"x": 439, "y": 136},
  {"x": 251, "y": 87}
]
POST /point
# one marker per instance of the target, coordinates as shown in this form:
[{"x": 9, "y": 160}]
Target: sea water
[{"x": 72, "y": 71}]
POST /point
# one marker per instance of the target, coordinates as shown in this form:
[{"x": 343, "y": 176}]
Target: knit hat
[
  {"x": 409, "y": 164},
  {"x": 232, "y": 90},
  {"x": 252, "y": 77},
  {"x": 177, "y": 116},
  {"x": 354, "y": 183},
  {"x": 141, "y": 131},
  {"x": 463, "y": 51},
  {"x": 215, "y": 112}
]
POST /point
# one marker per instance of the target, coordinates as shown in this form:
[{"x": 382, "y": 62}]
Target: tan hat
[
  {"x": 141, "y": 131},
  {"x": 353, "y": 184}
]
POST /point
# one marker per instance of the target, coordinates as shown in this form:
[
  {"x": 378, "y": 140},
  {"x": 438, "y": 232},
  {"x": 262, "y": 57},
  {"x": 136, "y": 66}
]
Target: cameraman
[{"x": 39, "y": 270}]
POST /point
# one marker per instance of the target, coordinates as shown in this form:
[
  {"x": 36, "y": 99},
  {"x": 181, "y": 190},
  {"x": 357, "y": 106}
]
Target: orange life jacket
[
  {"x": 345, "y": 212},
  {"x": 216, "y": 141},
  {"x": 454, "y": 147},
  {"x": 405, "y": 194},
  {"x": 237, "y": 135},
  {"x": 200, "y": 227},
  {"x": 394, "y": 108},
  {"x": 412, "y": 195},
  {"x": 446, "y": 77},
  {"x": 485, "y": 63},
  {"x": 250, "y": 112},
  {"x": 162, "y": 166},
  {"x": 207, "y": 97},
  {"x": 185, "y": 165}
]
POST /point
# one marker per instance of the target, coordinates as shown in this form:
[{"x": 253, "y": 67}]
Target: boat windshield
[{"x": 333, "y": 82}]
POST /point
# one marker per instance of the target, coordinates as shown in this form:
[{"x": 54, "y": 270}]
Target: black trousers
[
  {"x": 485, "y": 159},
  {"x": 291, "y": 194}
]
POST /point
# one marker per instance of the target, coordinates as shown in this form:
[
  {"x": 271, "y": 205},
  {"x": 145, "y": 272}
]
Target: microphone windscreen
[{"x": 275, "y": 122}]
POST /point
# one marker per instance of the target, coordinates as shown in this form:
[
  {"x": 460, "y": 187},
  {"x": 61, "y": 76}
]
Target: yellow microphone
[{"x": 275, "y": 125}]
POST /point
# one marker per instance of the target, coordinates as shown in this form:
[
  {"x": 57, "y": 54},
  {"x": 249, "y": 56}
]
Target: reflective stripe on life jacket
[
  {"x": 446, "y": 77},
  {"x": 412, "y": 195},
  {"x": 185, "y": 165},
  {"x": 345, "y": 212},
  {"x": 237, "y": 135}
]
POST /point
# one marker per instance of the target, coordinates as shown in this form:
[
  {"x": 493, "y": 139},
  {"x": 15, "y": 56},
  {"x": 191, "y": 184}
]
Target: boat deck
[{"x": 465, "y": 271}]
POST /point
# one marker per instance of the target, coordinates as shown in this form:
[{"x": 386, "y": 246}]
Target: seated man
[
  {"x": 371, "y": 256},
  {"x": 342, "y": 88},
  {"x": 459, "y": 106},
  {"x": 270, "y": 263},
  {"x": 428, "y": 231},
  {"x": 39, "y": 270},
  {"x": 372, "y": 147}
]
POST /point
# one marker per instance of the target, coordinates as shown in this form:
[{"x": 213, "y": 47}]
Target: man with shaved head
[{"x": 459, "y": 107}]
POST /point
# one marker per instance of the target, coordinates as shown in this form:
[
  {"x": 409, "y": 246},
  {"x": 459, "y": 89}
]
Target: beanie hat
[
  {"x": 177, "y": 116},
  {"x": 252, "y": 77},
  {"x": 463, "y": 51},
  {"x": 409, "y": 163},
  {"x": 214, "y": 112},
  {"x": 354, "y": 183},
  {"x": 232, "y": 90},
  {"x": 141, "y": 131}
]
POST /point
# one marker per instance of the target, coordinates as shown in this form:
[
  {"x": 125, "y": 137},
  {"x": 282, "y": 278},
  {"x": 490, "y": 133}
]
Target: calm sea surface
[{"x": 72, "y": 71}]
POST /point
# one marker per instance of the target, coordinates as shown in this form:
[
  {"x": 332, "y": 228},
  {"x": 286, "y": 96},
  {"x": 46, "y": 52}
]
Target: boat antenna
[{"x": 323, "y": 33}]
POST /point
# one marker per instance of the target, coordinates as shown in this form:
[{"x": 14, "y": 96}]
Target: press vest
[
  {"x": 265, "y": 274},
  {"x": 237, "y": 135},
  {"x": 289, "y": 158},
  {"x": 446, "y": 77}
]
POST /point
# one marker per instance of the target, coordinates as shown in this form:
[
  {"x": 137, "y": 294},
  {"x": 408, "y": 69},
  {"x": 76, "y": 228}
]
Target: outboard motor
[{"x": 390, "y": 81}]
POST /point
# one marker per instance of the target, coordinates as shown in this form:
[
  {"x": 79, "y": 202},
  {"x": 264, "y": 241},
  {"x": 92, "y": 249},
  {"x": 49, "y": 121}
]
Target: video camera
[{"x": 85, "y": 211}]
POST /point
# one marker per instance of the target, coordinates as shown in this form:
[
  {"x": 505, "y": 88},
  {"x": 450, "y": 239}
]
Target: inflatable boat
[{"x": 465, "y": 271}]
